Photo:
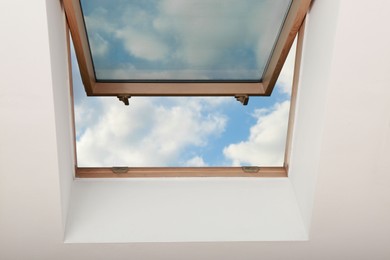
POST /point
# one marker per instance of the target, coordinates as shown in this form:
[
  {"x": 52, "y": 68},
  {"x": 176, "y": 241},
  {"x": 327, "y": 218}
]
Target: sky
[{"x": 175, "y": 131}]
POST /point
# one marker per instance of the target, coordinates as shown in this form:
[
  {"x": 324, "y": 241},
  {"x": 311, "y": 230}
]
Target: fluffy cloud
[
  {"x": 196, "y": 161},
  {"x": 99, "y": 28},
  {"x": 99, "y": 46},
  {"x": 142, "y": 45},
  {"x": 266, "y": 142},
  {"x": 285, "y": 79},
  {"x": 151, "y": 132},
  {"x": 204, "y": 30}
]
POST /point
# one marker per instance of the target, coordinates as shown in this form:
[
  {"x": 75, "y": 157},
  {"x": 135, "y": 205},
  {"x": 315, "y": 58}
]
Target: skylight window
[{"x": 183, "y": 47}]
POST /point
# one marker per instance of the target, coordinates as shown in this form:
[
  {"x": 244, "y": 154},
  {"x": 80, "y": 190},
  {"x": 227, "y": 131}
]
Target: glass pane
[
  {"x": 182, "y": 39},
  {"x": 182, "y": 131}
]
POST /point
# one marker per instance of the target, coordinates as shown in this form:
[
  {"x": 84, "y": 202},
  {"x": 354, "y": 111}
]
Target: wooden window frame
[{"x": 250, "y": 171}]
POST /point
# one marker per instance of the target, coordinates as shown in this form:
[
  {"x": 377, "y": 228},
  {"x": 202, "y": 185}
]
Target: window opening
[
  {"x": 176, "y": 132},
  {"x": 166, "y": 135}
]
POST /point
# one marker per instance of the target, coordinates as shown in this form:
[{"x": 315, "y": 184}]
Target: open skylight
[
  {"x": 183, "y": 47},
  {"x": 167, "y": 51}
]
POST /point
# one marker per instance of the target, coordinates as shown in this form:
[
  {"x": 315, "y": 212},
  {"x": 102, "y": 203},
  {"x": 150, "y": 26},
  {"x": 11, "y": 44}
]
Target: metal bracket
[
  {"x": 119, "y": 170},
  {"x": 250, "y": 169},
  {"x": 244, "y": 99},
  {"x": 124, "y": 99}
]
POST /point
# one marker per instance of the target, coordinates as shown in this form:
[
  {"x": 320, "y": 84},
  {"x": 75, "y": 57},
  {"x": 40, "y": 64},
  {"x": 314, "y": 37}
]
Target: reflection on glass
[{"x": 182, "y": 39}]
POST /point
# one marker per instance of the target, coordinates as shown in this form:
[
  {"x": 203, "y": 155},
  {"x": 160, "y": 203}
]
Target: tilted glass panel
[{"x": 214, "y": 40}]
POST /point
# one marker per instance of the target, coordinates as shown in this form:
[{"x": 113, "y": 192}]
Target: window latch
[
  {"x": 119, "y": 170},
  {"x": 244, "y": 99},
  {"x": 250, "y": 169},
  {"x": 124, "y": 99}
]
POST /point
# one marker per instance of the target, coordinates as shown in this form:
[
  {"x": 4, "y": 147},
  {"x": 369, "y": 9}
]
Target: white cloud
[
  {"x": 97, "y": 21},
  {"x": 285, "y": 79},
  {"x": 147, "y": 133},
  {"x": 142, "y": 44},
  {"x": 195, "y": 161},
  {"x": 266, "y": 143},
  {"x": 99, "y": 46},
  {"x": 204, "y": 31},
  {"x": 98, "y": 28}
]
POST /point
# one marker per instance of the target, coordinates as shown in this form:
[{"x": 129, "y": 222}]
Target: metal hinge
[
  {"x": 124, "y": 99},
  {"x": 243, "y": 99}
]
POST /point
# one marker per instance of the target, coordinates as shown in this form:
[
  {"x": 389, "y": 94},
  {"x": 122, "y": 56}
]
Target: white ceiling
[{"x": 352, "y": 199}]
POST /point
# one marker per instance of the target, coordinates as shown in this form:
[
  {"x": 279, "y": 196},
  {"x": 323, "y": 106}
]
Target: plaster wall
[{"x": 31, "y": 209}]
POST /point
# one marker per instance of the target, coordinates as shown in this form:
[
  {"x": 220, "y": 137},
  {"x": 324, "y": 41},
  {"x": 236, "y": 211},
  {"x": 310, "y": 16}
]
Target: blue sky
[{"x": 174, "y": 131}]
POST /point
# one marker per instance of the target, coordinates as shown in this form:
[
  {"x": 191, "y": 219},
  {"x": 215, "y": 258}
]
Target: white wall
[
  {"x": 184, "y": 210},
  {"x": 62, "y": 102},
  {"x": 352, "y": 200},
  {"x": 31, "y": 215},
  {"x": 315, "y": 74}
]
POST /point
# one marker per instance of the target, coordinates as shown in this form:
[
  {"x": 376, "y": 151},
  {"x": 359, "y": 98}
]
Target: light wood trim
[
  {"x": 80, "y": 43},
  {"x": 294, "y": 93},
  {"x": 179, "y": 89},
  {"x": 290, "y": 28},
  {"x": 153, "y": 172}
]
